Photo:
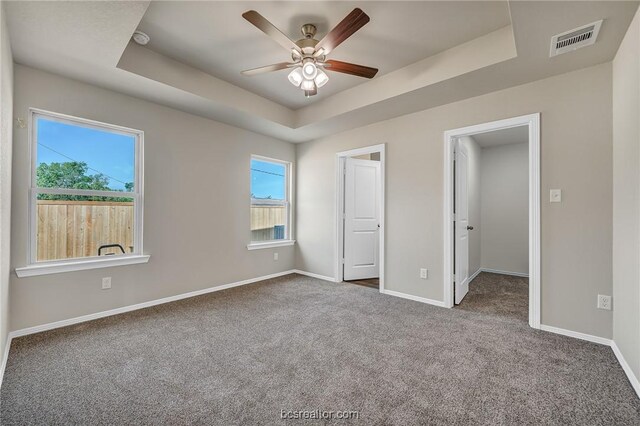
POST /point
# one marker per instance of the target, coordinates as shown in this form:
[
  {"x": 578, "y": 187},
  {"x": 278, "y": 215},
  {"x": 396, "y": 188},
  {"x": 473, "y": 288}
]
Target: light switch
[{"x": 555, "y": 195}]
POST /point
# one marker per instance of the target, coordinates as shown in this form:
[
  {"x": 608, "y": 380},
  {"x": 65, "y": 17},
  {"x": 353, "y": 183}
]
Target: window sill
[
  {"x": 79, "y": 265},
  {"x": 270, "y": 244}
]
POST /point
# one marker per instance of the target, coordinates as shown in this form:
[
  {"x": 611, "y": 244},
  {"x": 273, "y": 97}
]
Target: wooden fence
[
  {"x": 71, "y": 229},
  {"x": 264, "y": 220},
  {"x": 68, "y": 229}
]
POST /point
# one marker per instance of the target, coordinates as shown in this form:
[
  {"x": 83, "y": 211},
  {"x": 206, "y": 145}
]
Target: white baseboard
[
  {"x": 312, "y": 275},
  {"x": 414, "y": 298},
  {"x": 635, "y": 383},
  {"x": 71, "y": 321},
  {"x": 5, "y": 357},
  {"x": 97, "y": 315},
  {"x": 497, "y": 271},
  {"x": 475, "y": 274},
  {"x": 576, "y": 334}
]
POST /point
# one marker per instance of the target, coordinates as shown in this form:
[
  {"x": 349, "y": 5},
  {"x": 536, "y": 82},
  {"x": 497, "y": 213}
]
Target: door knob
[{"x": 469, "y": 228}]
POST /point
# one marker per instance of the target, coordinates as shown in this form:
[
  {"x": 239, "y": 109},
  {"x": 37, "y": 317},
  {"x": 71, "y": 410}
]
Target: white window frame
[
  {"x": 36, "y": 267},
  {"x": 288, "y": 239}
]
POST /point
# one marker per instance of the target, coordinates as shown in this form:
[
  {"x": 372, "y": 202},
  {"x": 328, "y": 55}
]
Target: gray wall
[
  {"x": 626, "y": 197},
  {"x": 576, "y": 154},
  {"x": 196, "y": 216},
  {"x": 505, "y": 208},
  {"x": 474, "y": 202},
  {"x": 6, "y": 127}
]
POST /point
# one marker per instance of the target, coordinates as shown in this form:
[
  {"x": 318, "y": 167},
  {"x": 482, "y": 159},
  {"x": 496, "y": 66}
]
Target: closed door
[
  {"x": 461, "y": 222},
  {"x": 362, "y": 194}
]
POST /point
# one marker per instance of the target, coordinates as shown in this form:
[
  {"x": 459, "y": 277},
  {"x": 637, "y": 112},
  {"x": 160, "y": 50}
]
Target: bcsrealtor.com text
[{"x": 319, "y": 414}]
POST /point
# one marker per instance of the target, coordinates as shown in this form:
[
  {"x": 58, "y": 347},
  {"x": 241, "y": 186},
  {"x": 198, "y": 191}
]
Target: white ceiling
[
  {"x": 513, "y": 135},
  {"x": 87, "y": 41},
  {"x": 214, "y": 38}
]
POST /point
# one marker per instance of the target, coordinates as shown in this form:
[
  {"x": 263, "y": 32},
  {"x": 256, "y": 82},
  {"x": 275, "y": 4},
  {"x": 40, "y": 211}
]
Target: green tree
[{"x": 73, "y": 175}]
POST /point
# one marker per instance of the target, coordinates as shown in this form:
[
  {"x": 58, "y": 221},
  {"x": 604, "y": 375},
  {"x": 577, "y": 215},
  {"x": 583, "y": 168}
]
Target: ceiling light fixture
[
  {"x": 295, "y": 76},
  {"x": 308, "y": 85},
  {"x": 309, "y": 69},
  {"x": 309, "y": 55},
  {"x": 322, "y": 78}
]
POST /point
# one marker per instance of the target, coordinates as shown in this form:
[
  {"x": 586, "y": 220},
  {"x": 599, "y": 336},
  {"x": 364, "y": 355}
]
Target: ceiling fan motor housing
[{"x": 308, "y": 30}]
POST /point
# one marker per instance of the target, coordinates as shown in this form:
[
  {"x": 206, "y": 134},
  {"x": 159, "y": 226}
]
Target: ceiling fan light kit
[
  {"x": 309, "y": 54},
  {"x": 295, "y": 77}
]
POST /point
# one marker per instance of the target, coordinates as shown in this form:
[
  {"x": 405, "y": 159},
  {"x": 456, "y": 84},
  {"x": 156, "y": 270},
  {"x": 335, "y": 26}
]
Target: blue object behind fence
[{"x": 278, "y": 232}]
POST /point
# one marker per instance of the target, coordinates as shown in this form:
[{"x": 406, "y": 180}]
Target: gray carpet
[
  {"x": 501, "y": 295},
  {"x": 242, "y": 355}
]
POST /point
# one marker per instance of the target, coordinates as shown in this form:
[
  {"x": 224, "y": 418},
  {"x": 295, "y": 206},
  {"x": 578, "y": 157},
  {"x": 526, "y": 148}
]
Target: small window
[
  {"x": 86, "y": 189},
  {"x": 269, "y": 200}
]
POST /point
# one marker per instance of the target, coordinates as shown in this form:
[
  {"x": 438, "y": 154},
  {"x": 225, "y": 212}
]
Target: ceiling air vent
[{"x": 575, "y": 39}]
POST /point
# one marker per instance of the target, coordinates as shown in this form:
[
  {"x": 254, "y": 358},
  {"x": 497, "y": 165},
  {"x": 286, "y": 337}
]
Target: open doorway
[
  {"x": 492, "y": 219},
  {"x": 360, "y": 217}
]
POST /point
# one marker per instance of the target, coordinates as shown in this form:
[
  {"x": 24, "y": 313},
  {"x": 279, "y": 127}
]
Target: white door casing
[
  {"x": 532, "y": 121},
  {"x": 362, "y": 201},
  {"x": 461, "y": 222}
]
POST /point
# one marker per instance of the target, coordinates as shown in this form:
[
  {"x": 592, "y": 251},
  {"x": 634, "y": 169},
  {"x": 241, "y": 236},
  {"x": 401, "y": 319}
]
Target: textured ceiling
[
  {"x": 213, "y": 37},
  {"x": 88, "y": 41}
]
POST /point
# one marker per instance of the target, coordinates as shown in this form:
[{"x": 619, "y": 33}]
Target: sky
[
  {"x": 111, "y": 154},
  {"x": 267, "y": 179}
]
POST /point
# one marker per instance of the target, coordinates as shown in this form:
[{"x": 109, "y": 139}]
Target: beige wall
[
  {"x": 505, "y": 208},
  {"x": 6, "y": 127},
  {"x": 196, "y": 216},
  {"x": 626, "y": 197},
  {"x": 576, "y": 156},
  {"x": 474, "y": 202}
]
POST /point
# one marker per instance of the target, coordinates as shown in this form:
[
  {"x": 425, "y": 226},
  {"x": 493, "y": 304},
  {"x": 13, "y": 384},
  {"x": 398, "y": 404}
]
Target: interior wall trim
[
  {"x": 414, "y": 298},
  {"x": 532, "y": 121},
  {"x": 498, "y": 271},
  {"x": 635, "y": 383},
  {"x": 129, "y": 308},
  {"x": 576, "y": 335},
  {"x": 339, "y": 206},
  {"x": 5, "y": 357},
  {"x": 312, "y": 275}
]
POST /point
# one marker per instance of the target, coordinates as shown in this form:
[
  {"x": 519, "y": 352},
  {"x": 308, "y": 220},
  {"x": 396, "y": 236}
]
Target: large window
[
  {"x": 270, "y": 204},
  {"x": 86, "y": 189}
]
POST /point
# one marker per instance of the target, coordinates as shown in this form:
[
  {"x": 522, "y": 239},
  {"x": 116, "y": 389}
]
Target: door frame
[
  {"x": 450, "y": 136},
  {"x": 339, "y": 228}
]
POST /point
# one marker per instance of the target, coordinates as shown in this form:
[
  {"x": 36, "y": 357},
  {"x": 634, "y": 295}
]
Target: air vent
[{"x": 575, "y": 39}]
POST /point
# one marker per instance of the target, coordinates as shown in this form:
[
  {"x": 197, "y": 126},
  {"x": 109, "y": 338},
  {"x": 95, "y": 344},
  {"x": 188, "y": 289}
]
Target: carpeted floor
[
  {"x": 500, "y": 295},
  {"x": 242, "y": 355}
]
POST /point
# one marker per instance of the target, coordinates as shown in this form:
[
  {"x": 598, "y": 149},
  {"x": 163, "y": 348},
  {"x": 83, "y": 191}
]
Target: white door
[
  {"x": 362, "y": 193},
  {"x": 461, "y": 222}
]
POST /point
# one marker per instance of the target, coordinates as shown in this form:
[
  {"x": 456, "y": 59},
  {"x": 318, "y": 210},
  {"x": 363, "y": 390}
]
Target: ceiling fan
[{"x": 309, "y": 55}]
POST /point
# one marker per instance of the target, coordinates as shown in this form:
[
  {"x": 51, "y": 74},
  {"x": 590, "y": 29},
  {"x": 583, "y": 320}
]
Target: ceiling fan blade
[
  {"x": 269, "y": 29},
  {"x": 353, "y": 69},
  {"x": 268, "y": 68},
  {"x": 345, "y": 29}
]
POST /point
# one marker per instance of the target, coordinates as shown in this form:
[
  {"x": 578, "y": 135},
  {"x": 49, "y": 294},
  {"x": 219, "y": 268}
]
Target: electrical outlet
[
  {"x": 275, "y": 256},
  {"x": 106, "y": 283},
  {"x": 424, "y": 273},
  {"x": 604, "y": 302}
]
